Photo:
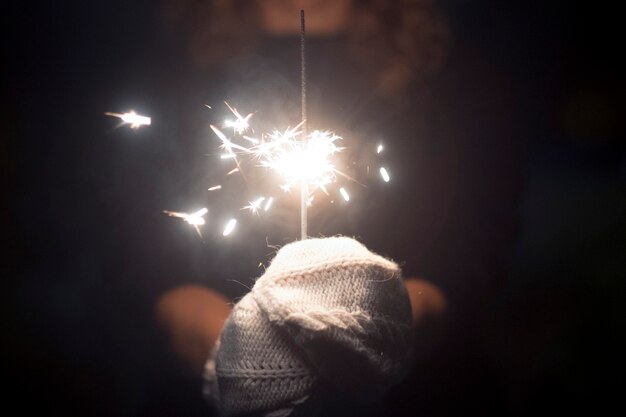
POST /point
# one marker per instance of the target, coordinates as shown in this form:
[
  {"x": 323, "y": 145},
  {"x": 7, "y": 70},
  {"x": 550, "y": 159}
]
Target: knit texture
[{"x": 328, "y": 314}]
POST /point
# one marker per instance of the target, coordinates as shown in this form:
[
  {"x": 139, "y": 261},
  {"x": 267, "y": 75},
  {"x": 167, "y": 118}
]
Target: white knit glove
[{"x": 328, "y": 315}]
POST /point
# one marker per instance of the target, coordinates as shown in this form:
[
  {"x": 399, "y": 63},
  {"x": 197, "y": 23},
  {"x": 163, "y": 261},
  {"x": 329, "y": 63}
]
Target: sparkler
[
  {"x": 133, "y": 119},
  {"x": 302, "y": 159}
]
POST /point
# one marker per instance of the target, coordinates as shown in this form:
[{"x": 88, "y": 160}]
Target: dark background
[{"x": 81, "y": 341}]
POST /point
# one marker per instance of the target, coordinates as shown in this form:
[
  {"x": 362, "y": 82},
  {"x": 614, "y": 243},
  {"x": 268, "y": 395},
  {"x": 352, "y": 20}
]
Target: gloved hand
[{"x": 328, "y": 316}]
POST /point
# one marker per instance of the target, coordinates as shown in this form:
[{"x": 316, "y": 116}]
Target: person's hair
[{"x": 399, "y": 41}]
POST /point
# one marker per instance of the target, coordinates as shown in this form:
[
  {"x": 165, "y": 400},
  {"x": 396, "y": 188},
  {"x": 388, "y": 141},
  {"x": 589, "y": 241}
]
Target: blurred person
[{"x": 378, "y": 71}]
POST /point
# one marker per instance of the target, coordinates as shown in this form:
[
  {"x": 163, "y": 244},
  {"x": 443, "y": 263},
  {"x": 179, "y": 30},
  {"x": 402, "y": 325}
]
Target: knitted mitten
[{"x": 327, "y": 316}]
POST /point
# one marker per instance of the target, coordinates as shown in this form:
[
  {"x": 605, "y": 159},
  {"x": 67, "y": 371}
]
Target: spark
[
  {"x": 215, "y": 187},
  {"x": 384, "y": 174},
  {"x": 232, "y": 171},
  {"x": 379, "y": 149},
  {"x": 230, "y": 226},
  {"x": 226, "y": 143},
  {"x": 195, "y": 219},
  {"x": 344, "y": 194},
  {"x": 240, "y": 125},
  {"x": 254, "y": 206},
  {"x": 228, "y": 156},
  {"x": 133, "y": 119},
  {"x": 268, "y": 204}
]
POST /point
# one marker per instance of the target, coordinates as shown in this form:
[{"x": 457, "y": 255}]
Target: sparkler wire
[{"x": 303, "y": 185}]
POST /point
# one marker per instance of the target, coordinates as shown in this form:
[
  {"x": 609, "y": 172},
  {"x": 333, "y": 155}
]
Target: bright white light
[
  {"x": 384, "y": 174},
  {"x": 195, "y": 219},
  {"x": 240, "y": 125},
  {"x": 230, "y": 226},
  {"x": 227, "y": 156},
  {"x": 227, "y": 145},
  {"x": 133, "y": 119},
  {"x": 344, "y": 194},
  {"x": 379, "y": 149},
  {"x": 268, "y": 204},
  {"x": 215, "y": 187},
  {"x": 300, "y": 161}
]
